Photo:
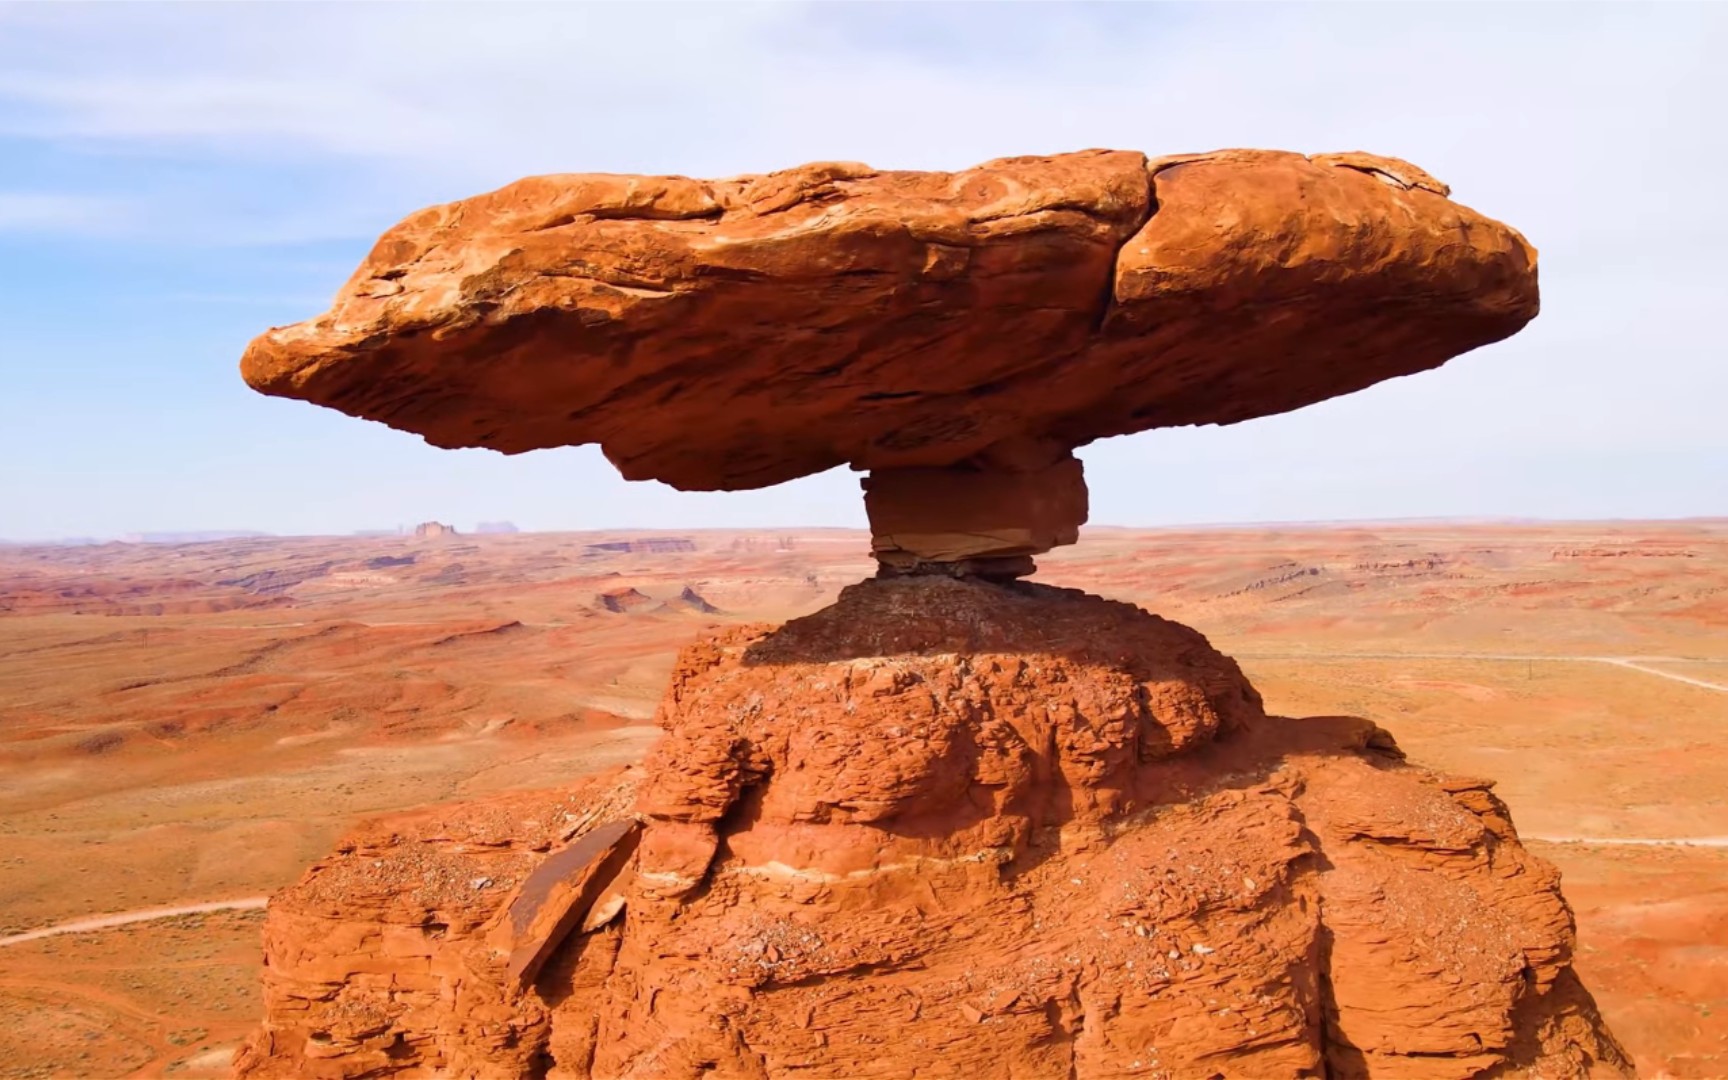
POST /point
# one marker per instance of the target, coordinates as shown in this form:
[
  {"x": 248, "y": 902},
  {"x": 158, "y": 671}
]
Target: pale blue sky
[{"x": 175, "y": 179}]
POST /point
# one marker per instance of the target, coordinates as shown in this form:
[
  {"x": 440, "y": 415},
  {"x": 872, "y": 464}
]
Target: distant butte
[{"x": 957, "y": 335}]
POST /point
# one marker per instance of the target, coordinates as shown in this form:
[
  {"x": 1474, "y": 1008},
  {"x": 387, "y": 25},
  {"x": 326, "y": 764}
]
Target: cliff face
[{"x": 946, "y": 828}]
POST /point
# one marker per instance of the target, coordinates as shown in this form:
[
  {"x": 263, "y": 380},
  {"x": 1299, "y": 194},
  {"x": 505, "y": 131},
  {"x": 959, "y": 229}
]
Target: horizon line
[{"x": 196, "y": 536}]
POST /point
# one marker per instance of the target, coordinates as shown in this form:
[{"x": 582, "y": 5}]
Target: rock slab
[
  {"x": 728, "y": 334},
  {"x": 559, "y": 894}
]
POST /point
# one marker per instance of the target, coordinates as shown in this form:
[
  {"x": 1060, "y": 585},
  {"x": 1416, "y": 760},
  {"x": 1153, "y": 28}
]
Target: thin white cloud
[
  {"x": 1533, "y": 112},
  {"x": 304, "y": 302},
  {"x": 50, "y": 212},
  {"x": 430, "y": 83}
]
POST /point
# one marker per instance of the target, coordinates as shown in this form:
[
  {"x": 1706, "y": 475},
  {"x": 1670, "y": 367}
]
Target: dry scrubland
[{"x": 183, "y": 724}]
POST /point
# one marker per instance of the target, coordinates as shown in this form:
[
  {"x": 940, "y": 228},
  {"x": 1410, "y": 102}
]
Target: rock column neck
[{"x": 974, "y": 519}]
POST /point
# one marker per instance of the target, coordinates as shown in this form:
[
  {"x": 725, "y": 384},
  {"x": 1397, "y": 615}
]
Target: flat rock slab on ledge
[
  {"x": 558, "y": 896},
  {"x": 737, "y": 333}
]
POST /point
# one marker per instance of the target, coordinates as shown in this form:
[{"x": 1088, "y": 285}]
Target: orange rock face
[
  {"x": 988, "y": 521},
  {"x": 948, "y": 828},
  {"x": 738, "y": 333}
]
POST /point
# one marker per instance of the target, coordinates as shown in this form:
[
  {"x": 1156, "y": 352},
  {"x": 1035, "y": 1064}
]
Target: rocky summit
[
  {"x": 969, "y": 329},
  {"x": 954, "y": 825},
  {"x": 947, "y": 829}
]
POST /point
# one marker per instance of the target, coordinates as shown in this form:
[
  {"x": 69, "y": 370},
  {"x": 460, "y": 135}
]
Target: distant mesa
[
  {"x": 622, "y": 600},
  {"x": 81, "y": 595},
  {"x": 495, "y": 527},
  {"x": 1624, "y": 552},
  {"x": 191, "y": 537},
  {"x": 765, "y": 543},
  {"x": 277, "y": 581},
  {"x": 433, "y": 529},
  {"x": 652, "y": 545},
  {"x": 626, "y": 599},
  {"x": 691, "y": 600},
  {"x": 64, "y": 541}
]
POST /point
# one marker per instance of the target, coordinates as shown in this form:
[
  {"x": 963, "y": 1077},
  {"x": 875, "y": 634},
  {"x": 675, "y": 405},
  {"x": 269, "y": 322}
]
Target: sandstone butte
[{"x": 955, "y": 825}]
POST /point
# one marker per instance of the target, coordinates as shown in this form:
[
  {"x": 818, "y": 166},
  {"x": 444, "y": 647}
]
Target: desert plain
[{"x": 185, "y": 727}]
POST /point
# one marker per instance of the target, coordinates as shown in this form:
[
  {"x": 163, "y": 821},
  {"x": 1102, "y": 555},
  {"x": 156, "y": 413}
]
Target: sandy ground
[{"x": 189, "y": 725}]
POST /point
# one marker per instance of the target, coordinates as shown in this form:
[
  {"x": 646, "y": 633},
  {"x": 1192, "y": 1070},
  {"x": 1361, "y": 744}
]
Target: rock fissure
[{"x": 1106, "y": 302}]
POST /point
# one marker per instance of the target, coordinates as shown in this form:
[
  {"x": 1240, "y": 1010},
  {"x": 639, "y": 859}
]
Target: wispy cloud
[
  {"x": 1534, "y": 112},
  {"x": 307, "y": 129},
  {"x": 451, "y": 87},
  {"x": 305, "y": 302},
  {"x": 50, "y": 212}
]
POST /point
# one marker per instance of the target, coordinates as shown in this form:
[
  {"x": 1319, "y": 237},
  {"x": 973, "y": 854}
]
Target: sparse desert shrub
[{"x": 101, "y": 742}]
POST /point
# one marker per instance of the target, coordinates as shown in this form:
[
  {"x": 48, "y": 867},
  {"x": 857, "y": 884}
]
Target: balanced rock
[
  {"x": 947, "y": 829},
  {"x": 728, "y": 334},
  {"x": 952, "y": 825}
]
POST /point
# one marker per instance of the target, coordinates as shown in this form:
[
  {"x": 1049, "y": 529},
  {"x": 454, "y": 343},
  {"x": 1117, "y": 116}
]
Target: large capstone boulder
[{"x": 729, "y": 334}]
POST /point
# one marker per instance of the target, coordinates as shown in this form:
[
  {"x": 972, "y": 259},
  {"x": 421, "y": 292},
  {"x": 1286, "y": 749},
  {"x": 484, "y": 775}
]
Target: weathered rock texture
[
  {"x": 984, "y": 520},
  {"x": 949, "y": 829},
  {"x": 737, "y": 333}
]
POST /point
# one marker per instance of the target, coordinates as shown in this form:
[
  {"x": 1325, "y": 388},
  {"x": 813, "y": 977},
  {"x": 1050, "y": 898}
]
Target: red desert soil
[{"x": 187, "y": 724}]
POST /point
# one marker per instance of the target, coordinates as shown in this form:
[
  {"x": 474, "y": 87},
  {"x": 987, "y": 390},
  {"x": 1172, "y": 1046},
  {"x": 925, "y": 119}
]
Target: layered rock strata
[
  {"x": 984, "y": 519},
  {"x": 727, "y": 334},
  {"x": 947, "y": 828}
]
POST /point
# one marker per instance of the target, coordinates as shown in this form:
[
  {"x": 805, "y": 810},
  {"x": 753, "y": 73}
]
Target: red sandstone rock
[
  {"x": 968, "y": 517},
  {"x": 560, "y": 893},
  {"x": 378, "y": 960},
  {"x": 622, "y": 599},
  {"x": 951, "y": 829},
  {"x": 737, "y": 333}
]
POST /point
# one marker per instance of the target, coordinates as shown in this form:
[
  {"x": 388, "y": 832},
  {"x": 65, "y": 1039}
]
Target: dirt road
[
  {"x": 1636, "y": 841},
  {"x": 104, "y": 922},
  {"x": 1632, "y": 663}
]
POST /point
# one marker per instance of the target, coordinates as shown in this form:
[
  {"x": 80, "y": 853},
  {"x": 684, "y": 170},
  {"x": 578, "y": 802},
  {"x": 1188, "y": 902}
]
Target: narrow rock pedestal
[{"x": 973, "y": 520}]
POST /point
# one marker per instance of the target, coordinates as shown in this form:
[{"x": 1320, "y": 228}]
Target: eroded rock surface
[
  {"x": 965, "y": 519},
  {"x": 737, "y": 333},
  {"x": 947, "y": 828}
]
